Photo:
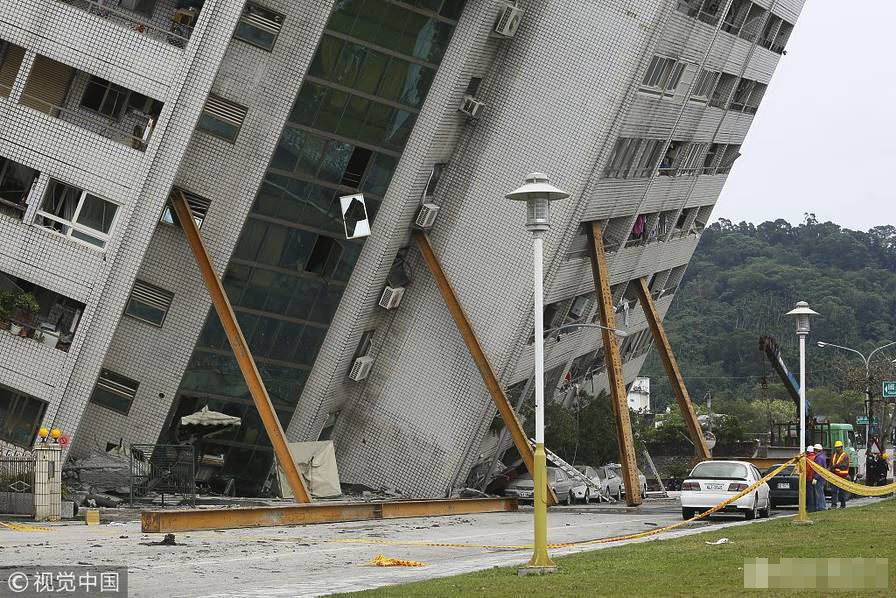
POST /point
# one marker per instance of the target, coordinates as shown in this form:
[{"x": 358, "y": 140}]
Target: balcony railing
[
  {"x": 174, "y": 29},
  {"x": 87, "y": 120}
]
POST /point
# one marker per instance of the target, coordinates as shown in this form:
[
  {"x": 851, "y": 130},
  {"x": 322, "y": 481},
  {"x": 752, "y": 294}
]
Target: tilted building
[{"x": 264, "y": 113}]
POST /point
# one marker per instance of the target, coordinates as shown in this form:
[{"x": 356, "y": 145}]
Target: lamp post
[
  {"x": 869, "y": 412},
  {"x": 538, "y": 194},
  {"x": 802, "y": 313}
]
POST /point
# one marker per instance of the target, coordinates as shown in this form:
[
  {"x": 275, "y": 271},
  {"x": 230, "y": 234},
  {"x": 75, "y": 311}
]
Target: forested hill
[{"x": 744, "y": 278}]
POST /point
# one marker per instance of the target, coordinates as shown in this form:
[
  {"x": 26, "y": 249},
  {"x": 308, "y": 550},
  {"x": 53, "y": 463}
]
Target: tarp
[
  {"x": 317, "y": 463},
  {"x": 204, "y": 417}
]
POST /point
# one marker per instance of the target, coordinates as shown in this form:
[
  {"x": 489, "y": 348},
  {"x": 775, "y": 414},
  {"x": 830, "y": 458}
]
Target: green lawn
[{"x": 685, "y": 566}]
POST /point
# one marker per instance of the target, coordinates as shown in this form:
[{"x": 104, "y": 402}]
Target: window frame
[
  {"x": 169, "y": 296},
  {"x": 119, "y": 105},
  {"x": 242, "y": 20},
  {"x": 74, "y": 225},
  {"x": 229, "y": 103},
  {"x": 663, "y": 75},
  {"x": 106, "y": 372},
  {"x": 707, "y": 80},
  {"x": 18, "y": 402}
]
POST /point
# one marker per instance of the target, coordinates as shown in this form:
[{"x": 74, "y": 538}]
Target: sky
[{"x": 824, "y": 139}]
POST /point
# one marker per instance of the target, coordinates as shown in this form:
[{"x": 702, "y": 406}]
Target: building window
[
  {"x": 708, "y": 11},
  {"x": 15, "y": 184},
  {"x": 20, "y": 416},
  {"x": 434, "y": 177},
  {"x": 198, "y": 206},
  {"x": 149, "y": 303},
  {"x": 706, "y": 83},
  {"x": 259, "y": 26},
  {"x": 104, "y": 97},
  {"x": 222, "y": 118},
  {"x": 114, "y": 391},
  {"x": 10, "y": 62},
  {"x": 692, "y": 160},
  {"x": 77, "y": 214},
  {"x": 663, "y": 75}
]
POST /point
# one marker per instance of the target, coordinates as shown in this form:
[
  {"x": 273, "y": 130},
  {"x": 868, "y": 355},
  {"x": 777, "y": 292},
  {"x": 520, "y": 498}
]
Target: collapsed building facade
[{"x": 264, "y": 114}]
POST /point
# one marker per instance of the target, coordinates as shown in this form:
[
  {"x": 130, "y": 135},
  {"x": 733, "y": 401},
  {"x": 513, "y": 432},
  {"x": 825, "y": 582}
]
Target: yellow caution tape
[
  {"x": 515, "y": 547},
  {"x": 21, "y": 527},
  {"x": 849, "y": 486},
  {"x": 383, "y": 561}
]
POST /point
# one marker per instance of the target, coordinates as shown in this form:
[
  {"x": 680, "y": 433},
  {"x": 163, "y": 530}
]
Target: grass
[{"x": 684, "y": 566}]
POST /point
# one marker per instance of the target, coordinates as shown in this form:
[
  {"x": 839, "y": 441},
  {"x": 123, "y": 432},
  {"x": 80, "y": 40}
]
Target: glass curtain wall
[{"x": 345, "y": 134}]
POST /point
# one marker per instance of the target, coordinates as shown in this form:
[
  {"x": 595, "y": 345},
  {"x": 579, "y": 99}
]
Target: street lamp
[
  {"x": 802, "y": 313},
  {"x": 538, "y": 194},
  {"x": 869, "y": 412}
]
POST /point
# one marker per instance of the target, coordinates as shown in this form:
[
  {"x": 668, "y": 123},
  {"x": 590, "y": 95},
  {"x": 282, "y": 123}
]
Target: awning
[{"x": 204, "y": 417}]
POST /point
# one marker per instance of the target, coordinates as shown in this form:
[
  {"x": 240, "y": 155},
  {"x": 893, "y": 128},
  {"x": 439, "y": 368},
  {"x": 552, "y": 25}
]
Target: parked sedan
[
  {"x": 606, "y": 478},
  {"x": 567, "y": 489},
  {"x": 642, "y": 481},
  {"x": 713, "y": 482},
  {"x": 784, "y": 487}
]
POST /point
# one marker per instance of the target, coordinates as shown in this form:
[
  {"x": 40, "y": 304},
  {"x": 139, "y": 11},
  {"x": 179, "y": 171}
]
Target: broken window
[
  {"x": 434, "y": 177},
  {"x": 20, "y": 417},
  {"x": 324, "y": 256},
  {"x": 737, "y": 16},
  {"x": 356, "y": 167},
  {"x": 15, "y": 184},
  {"x": 753, "y": 23},
  {"x": 770, "y": 31}
]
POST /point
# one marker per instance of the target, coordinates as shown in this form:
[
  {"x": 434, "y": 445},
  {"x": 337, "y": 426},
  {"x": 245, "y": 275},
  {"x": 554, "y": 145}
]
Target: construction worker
[
  {"x": 810, "y": 479},
  {"x": 840, "y": 467},
  {"x": 821, "y": 460}
]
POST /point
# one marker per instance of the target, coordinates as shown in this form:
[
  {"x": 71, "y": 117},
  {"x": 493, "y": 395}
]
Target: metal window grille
[
  {"x": 152, "y": 296},
  {"x": 163, "y": 469}
]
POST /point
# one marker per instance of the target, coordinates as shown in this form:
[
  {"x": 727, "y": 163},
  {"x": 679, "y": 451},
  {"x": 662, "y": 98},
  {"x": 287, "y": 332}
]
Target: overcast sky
[{"x": 824, "y": 140}]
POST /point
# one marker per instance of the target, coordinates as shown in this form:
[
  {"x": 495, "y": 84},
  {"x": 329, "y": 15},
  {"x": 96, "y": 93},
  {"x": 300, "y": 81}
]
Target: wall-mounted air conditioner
[
  {"x": 361, "y": 368},
  {"x": 391, "y": 297},
  {"x": 426, "y": 216},
  {"x": 471, "y": 106},
  {"x": 509, "y": 21}
]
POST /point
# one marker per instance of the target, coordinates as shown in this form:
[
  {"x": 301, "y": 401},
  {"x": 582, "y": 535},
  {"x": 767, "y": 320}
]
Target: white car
[{"x": 713, "y": 482}]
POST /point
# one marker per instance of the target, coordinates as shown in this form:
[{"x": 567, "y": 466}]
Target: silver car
[
  {"x": 566, "y": 488},
  {"x": 642, "y": 481},
  {"x": 609, "y": 482}
]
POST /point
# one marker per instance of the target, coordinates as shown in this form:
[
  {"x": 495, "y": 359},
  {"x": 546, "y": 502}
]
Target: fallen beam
[{"x": 329, "y": 512}]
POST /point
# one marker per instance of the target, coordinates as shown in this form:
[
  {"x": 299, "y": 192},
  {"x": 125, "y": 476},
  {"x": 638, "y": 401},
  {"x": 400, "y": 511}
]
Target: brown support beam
[
  {"x": 154, "y": 522},
  {"x": 618, "y": 395},
  {"x": 240, "y": 347},
  {"x": 475, "y": 348},
  {"x": 672, "y": 370}
]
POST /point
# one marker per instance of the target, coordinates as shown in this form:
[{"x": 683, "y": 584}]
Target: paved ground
[{"x": 322, "y": 559}]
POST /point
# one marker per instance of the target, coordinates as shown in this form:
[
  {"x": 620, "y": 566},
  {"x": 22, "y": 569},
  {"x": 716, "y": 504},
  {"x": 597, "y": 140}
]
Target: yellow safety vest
[{"x": 842, "y": 471}]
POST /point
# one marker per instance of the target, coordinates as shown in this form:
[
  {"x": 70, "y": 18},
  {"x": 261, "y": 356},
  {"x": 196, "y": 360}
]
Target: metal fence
[
  {"x": 16, "y": 483},
  {"x": 163, "y": 469}
]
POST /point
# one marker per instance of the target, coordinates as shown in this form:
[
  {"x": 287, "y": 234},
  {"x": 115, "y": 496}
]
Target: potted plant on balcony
[
  {"x": 6, "y": 299},
  {"x": 26, "y": 306}
]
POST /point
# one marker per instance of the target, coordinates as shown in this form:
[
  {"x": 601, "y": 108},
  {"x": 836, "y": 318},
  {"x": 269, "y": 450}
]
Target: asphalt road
[{"x": 322, "y": 559}]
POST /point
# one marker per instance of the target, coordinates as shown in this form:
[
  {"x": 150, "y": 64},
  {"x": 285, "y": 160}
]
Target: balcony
[
  {"x": 31, "y": 311},
  {"x": 15, "y": 184},
  {"x": 91, "y": 102},
  {"x": 169, "y": 21}
]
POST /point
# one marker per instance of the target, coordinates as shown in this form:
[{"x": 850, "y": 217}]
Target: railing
[
  {"x": 41, "y": 334},
  {"x": 92, "y": 123},
  {"x": 163, "y": 469},
  {"x": 178, "y": 35},
  {"x": 16, "y": 483},
  {"x": 12, "y": 209}
]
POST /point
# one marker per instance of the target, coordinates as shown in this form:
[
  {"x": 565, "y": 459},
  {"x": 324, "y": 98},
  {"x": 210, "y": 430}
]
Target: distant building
[{"x": 639, "y": 395}]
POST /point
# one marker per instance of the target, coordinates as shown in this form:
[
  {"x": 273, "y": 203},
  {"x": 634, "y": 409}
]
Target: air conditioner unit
[
  {"x": 426, "y": 216},
  {"x": 471, "y": 106},
  {"x": 509, "y": 21},
  {"x": 391, "y": 297},
  {"x": 361, "y": 368}
]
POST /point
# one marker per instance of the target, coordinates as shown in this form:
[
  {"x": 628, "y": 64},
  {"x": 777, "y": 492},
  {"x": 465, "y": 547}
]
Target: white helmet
[
  {"x": 810, "y": 449},
  {"x": 818, "y": 447}
]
